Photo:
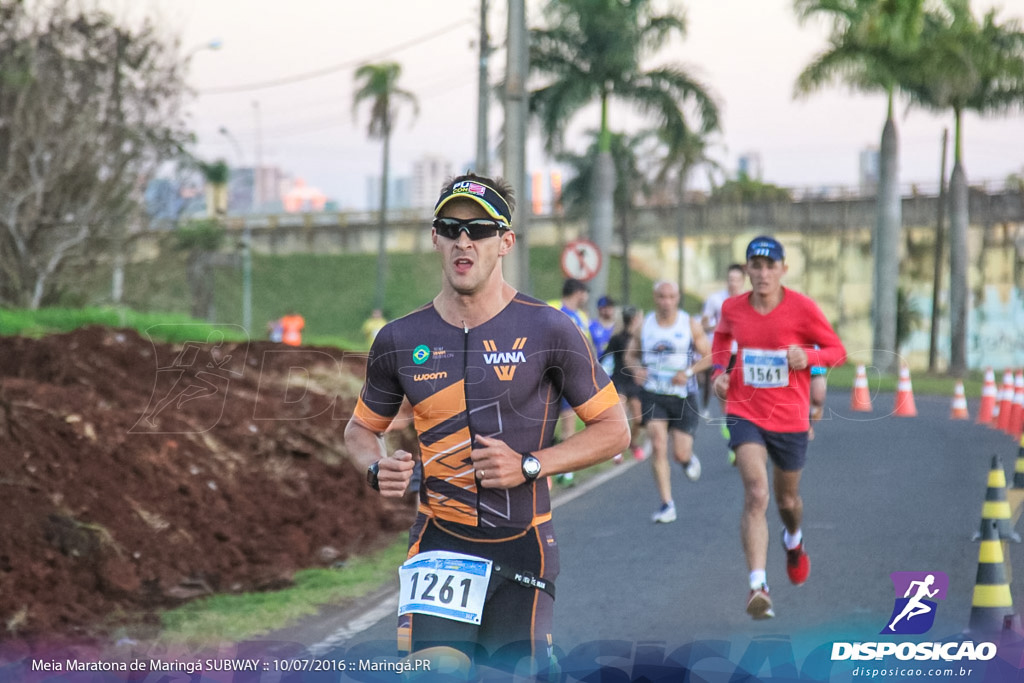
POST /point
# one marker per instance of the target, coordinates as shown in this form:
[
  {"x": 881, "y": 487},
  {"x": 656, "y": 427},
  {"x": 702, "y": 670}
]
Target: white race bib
[
  {"x": 765, "y": 369},
  {"x": 444, "y": 584}
]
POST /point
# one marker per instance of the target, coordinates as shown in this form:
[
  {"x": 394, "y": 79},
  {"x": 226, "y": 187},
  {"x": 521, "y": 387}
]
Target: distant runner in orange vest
[{"x": 292, "y": 325}]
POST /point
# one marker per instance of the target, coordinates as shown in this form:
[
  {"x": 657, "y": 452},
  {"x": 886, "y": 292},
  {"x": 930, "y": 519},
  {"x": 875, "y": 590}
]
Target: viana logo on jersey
[{"x": 504, "y": 362}]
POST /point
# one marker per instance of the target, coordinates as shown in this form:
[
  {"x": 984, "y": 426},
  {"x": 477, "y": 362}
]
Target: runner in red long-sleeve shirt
[{"x": 779, "y": 334}]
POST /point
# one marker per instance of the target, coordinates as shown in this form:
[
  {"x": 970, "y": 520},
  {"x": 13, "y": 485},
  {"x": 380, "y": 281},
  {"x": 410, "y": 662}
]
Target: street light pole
[
  {"x": 517, "y": 263},
  {"x": 247, "y": 280},
  {"x": 257, "y": 180},
  {"x": 246, "y": 251},
  {"x": 214, "y": 44},
  {"x": 483, "y": 98}
]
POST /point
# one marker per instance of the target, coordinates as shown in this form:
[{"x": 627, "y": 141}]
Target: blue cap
[
  {"x": 768, "y": 247},
  {"x": 605, "y": 301}
]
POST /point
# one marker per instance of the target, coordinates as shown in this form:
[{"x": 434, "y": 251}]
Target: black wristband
[{"x": 371, "y": 476}]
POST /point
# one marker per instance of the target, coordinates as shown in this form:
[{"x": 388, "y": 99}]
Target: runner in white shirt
[{"x": 670, "y": 341}]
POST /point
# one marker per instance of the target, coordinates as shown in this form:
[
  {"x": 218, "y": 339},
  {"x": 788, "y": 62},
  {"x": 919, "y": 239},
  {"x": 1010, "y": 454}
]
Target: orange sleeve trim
[
  {"x": 601, "y": 401},
  {"x": 378, "y": 423}
]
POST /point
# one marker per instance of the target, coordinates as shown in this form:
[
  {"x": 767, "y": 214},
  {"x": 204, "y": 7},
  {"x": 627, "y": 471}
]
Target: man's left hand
[{"x": 797, "y": 357}]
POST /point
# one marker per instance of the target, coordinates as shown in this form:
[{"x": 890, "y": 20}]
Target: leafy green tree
[
  {"x": 378, "y": 85},
  {"x": 593, "y": 50},
  {"x": 966, "y": 65},
  {"x": 872, "y": 46},
  {"x": 87, "y": 108},
  {"x": 744, "y": 189}
]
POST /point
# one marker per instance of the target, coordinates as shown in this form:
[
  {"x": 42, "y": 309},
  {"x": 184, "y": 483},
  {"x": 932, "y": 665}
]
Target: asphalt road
[{"x": 881, "y": 494}]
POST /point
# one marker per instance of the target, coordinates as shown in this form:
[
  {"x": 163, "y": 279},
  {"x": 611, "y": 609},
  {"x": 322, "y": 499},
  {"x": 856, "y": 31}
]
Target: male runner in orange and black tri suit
[{"x": 484, "y": 368}]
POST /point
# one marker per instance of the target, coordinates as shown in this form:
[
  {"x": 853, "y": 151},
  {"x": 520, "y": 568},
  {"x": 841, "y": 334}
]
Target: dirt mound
[{"x": 137, "y": 474}]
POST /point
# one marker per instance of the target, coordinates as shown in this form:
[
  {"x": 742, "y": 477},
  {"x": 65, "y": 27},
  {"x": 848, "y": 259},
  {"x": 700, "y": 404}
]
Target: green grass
[
  {"x": 924, "y": 384},
  {"x": 169, "y": 327},
  {"x": 334, "y": 293},
  {"x": 220, "y": 618}
]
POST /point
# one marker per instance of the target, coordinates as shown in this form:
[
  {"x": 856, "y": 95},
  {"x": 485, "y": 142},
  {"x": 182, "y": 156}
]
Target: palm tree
[
  {"x": 628, "y": 153},
  {"x": 681, "y": 160},
  {"x": 593, "y": 52},
  {"x": 871, "y": 47},
  {"x": 378, "y": 83},
  {"x": 974, "y": 66},
  {"x": 216, "y": 176}
]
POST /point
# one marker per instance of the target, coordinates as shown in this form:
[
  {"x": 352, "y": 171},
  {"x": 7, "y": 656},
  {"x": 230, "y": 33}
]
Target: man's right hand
[{"x": 395, "y": 473}]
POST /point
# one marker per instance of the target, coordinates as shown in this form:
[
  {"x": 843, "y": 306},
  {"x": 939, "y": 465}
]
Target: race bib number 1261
[{"x": 444, "y": 584}]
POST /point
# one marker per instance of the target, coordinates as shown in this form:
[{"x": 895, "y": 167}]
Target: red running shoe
[{"x": 798, "y": 564}]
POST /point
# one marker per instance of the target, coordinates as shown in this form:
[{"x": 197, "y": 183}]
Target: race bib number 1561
[{"x": 765, "y": 369}]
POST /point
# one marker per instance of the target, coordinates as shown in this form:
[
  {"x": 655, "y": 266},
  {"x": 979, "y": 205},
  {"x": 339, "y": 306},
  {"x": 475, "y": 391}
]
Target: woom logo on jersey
[{"x": 504, "y": 362}]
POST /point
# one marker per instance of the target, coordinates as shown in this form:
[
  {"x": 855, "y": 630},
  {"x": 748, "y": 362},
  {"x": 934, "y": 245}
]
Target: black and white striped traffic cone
[
  {"x": 992, "y": 603},
  {"x": 996, "y": 506}
]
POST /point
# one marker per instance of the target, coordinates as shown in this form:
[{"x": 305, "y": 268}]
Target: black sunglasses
[{"x": 476, "y": 228}]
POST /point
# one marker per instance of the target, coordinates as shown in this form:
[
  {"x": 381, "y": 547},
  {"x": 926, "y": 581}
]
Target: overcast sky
[{"x": 263, "y": 87}]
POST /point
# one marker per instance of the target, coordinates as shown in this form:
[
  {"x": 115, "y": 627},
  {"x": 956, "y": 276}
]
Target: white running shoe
[
  {"x": 759, "y": 603},
  {"x": 666, "y": 514},
  {"x": 692, "y": 468}
]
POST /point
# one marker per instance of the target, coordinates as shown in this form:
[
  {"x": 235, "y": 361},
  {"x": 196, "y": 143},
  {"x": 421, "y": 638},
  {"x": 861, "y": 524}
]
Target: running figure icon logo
[{"x": 915, "y": 606}]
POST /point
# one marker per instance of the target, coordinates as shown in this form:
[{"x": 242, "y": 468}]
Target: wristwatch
[
  {"x": 531, "y": 466},
  {"x": 688, "y": 372},
  {"x": 371, "y": 476}
]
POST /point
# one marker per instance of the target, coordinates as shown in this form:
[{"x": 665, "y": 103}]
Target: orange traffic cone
[
  {"x": 1005, "y": 402},
  {"x": 1017, "y": 409},
  {"x": 905, "y": 406},
  {"x": 860, "y": 400},
  {"x": 988, "y": 398},
  {"x": 959, "y": 409}
]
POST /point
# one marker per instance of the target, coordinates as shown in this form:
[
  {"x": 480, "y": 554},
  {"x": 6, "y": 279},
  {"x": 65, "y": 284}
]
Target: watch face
[{"x": 531, "y": 467}]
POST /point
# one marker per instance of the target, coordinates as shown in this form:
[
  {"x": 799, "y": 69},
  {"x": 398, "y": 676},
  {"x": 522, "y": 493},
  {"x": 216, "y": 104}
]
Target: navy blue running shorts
[{"x": 788, "y": 450}]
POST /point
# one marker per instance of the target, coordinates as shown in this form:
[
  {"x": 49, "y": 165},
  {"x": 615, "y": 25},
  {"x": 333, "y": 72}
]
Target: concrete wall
[{"x": 828, "y": 243}]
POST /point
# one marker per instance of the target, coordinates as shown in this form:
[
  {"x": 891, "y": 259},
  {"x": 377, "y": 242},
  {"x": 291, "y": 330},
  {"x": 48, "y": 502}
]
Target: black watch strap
[
  {"x": 371, "y": 476},
  {"x": 528, "y": 459}
]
